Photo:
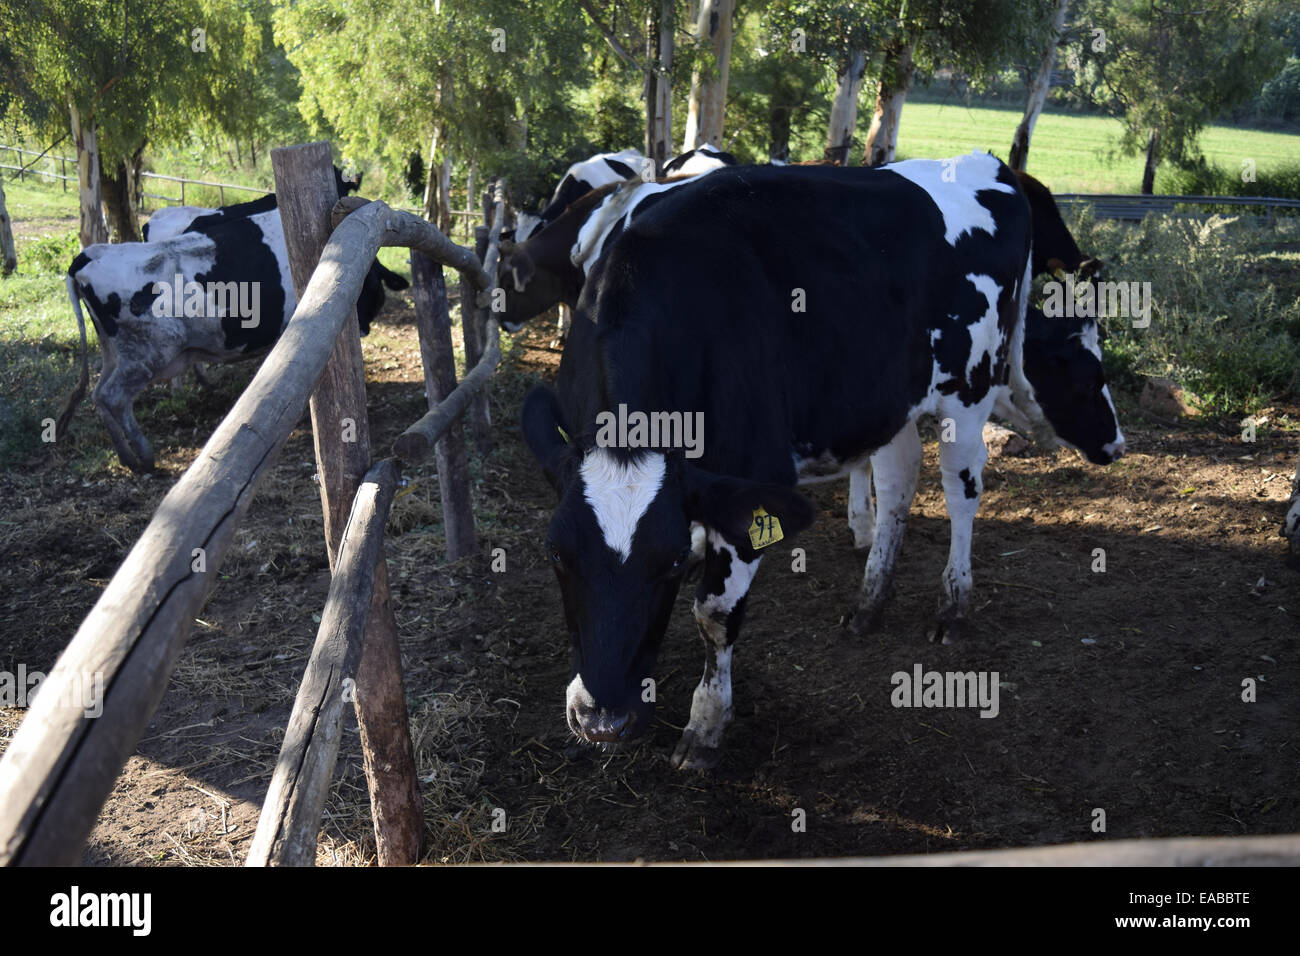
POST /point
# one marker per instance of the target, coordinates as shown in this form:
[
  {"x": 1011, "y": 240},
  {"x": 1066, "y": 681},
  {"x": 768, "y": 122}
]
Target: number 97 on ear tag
[{"x": 765, "y": 530}]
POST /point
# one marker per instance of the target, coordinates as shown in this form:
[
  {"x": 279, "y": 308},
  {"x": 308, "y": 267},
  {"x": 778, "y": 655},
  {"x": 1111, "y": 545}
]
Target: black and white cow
[
  {"x": 1291, "y": 524},
  {"x": 806, "y": 349},
  {"x": 217, "y": 292},
  {"x": 551, "y": 267},
  {"x": 578, "y": 180},
  {"x": 173, "y": 220},
  {"x": 701, "y": 159},
  {"x": 1062, "y": 362}
]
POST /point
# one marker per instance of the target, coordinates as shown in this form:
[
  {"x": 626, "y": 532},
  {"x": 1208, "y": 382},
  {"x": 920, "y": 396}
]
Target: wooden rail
[{"x": 62, "y": 762}]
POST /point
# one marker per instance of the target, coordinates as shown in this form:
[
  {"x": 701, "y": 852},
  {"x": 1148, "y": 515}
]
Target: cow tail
[
  {"x": 1022, "y": 392},
  {"x": 78, "y": 393}
]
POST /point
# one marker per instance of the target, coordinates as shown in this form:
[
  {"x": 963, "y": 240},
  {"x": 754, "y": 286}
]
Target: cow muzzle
[
  {"x": 602, "y": 726},
  {"x": 598, "y": 725}
]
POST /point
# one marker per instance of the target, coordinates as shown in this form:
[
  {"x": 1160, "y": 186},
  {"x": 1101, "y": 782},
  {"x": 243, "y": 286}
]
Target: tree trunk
[
  {"x": 444, "y": 196},
  {"x": 119, "y": 203},
  {"x": 93, "y": 229},
  {"x": 1153, "y": 158},
  {"x": 709, "y": 93},
  {"x": 431, "y": 182},
  {"x": 895, "y": 78},
  {"x": 1039, "y": 84},
  {"x": 8, "y": 258},
  {"x": 137, "y": 172},
  {"x": 844, "y": 108},
  {"x": 778, "y": 132},
  {"x": 659, "y": 92}
]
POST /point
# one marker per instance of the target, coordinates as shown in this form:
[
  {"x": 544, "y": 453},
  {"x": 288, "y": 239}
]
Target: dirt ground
[{"x": 1120, "y": 691}]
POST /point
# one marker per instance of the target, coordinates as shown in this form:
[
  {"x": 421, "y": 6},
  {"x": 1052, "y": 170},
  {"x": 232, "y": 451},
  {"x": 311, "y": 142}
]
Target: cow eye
[
  {"x": 682, "y": 558},
  {"x": 556, "y": 558}
]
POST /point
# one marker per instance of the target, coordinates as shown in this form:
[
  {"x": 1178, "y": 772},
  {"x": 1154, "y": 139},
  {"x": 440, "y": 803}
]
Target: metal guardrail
[{"x": 1135, "y": 208}]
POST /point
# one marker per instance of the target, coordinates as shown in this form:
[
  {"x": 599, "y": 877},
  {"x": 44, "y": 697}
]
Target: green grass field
[{"x": 1070, "y": 152}]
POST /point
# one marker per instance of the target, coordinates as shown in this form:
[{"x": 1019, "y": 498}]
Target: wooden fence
[
  {"x": 62, "y": 764},
  {"x": 62, "y": 175}
]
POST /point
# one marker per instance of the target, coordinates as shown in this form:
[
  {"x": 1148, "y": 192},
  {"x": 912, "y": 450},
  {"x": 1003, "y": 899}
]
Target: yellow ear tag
[
  {"x": 765, "y": 530},
  {"x": 563, "y": 434}
]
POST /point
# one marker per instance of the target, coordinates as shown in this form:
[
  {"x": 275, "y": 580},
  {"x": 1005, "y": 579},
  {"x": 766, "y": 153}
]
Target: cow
[
  {"x": 701, "y": 159},
  {"x": 600, "y": 173},
  {"x": 578, "y": 180},
  {"x": 809, "y": 350},
  {"x": 1291, "y": 524},
  {"x": 1062, "y": 363},
  {"x": 173, "y": 220},
  {"x": 551, "y": 267},
  {"x": 218, "y": 292}
]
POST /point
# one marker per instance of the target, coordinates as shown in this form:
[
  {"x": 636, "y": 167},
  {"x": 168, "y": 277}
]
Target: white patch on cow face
[
  {"x": 956, "y": 200},
  {"x": 985, "y": 336},
  {"x": 620, "y": 493},
  {"x": 1090, "y": 339}
]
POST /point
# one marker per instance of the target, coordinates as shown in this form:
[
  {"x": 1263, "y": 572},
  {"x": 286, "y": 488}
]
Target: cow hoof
[
  {"x": 691, "y": 754},
  {"x": 949, "y": 630},
  {"x": 863, "y": 622}
]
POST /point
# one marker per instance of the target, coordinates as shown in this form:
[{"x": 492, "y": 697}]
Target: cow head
[
  {"x": 1062, "y": 360},
  {"x": 531, "y": 287},
  {"x": 620, "y": 543}
]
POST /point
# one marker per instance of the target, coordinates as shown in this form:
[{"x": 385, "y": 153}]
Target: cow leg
[
  {"x": 895, "y": 468},
  {"x": 862, "y": 507},
  {"x": 562, "y": 324},
  {"x": 114, "y": 399},
  {"x": 719, "y": 609},
  {"x": 200, "y": 376},
  {"x": 961, "y": 463},
  {"x": 1291, "y": 526}
]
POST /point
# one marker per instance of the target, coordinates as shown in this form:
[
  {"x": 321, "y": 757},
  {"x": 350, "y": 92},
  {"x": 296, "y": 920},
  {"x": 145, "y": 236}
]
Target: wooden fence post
[
  {"x": 306, "y": 194},
  {"x": 473, "y": 321},
  {"x": 289, "y": 825},
  {"x": 434, "y": 325}
]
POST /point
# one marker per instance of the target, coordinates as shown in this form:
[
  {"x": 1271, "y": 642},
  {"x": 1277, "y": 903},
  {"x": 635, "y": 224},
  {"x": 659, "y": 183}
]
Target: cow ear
[
  {"x": 1090, "y": 268},
  {"x": 521, "y": 269},
  {"x": 729, "y": 505},
  {"x": 547, "y": 436}
]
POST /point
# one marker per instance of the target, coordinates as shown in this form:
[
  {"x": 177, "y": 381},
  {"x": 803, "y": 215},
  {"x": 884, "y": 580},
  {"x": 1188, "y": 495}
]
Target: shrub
[{"x": 1225, "y": 316}]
